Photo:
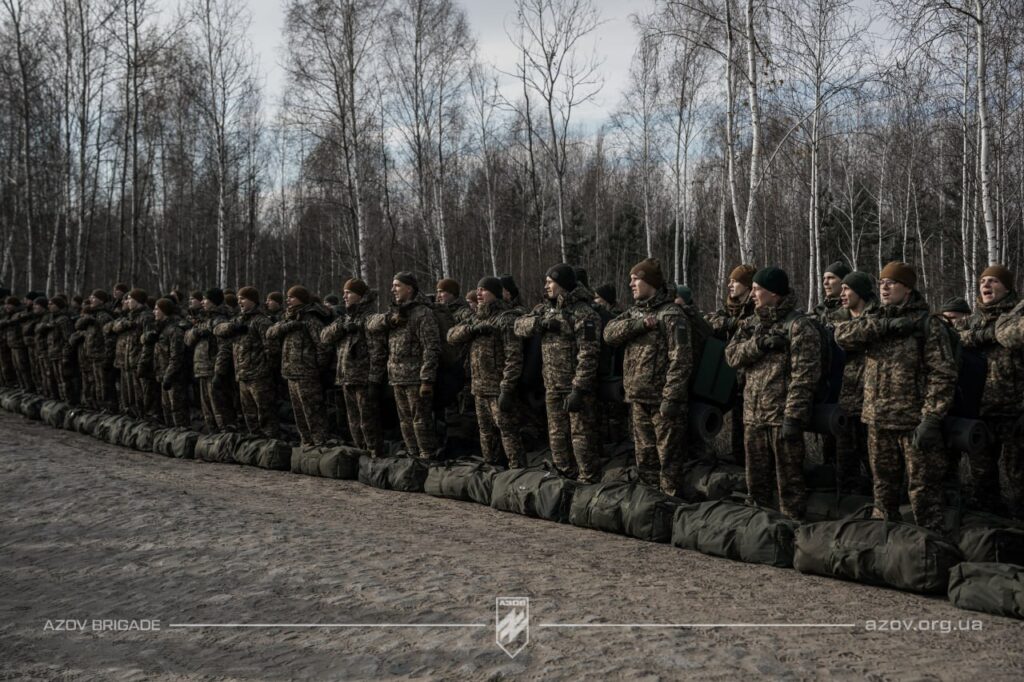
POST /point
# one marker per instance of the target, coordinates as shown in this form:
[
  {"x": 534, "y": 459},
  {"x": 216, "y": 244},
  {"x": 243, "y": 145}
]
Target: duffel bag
[
  {"x": 988, "y": 587},
  {"x": 113, "y": 429},
  {"x": 469, "y": 480},
  {"x": 877, "y": 552},
  {"x": 625, "y": 508},
  {"x": 11, "y": 400},
  {"x": 218, "y": 447},
  {"x": 712, "y": 481},
  {"x": 87, "y": 422},
  {"x": 534, "y": 491},
  {"x": 828, "y": 506},
  {"x": 265, "y": 453},
  {"x": 140, "y": 436},
  {"x": 31, "y": 405},
  {"x": 177, "y": 442},
  {"x": 54, "y": 412},
  {"x": 735, "y": 531},
  {"x": 327, "y": 461},
  {"x": 406, "y": 474},
  {"x": 991, "y": 539}
]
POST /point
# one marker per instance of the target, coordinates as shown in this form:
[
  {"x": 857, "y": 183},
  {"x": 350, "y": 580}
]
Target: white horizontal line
[
  {"x": 697, "y": 625},
  {"x": 327, "y": 625}
]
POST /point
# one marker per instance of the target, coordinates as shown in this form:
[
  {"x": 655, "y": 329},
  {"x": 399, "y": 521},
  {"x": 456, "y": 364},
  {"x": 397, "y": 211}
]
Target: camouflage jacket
[
  {"x": 495, "y": 352},
  {"x": 41, "y": 336},
  {"x": 779, "y": 384},
  {"x": 57, "y": 329},
  {"x": 830, "y": 311},
  {"x": 569, "y": 356},
  {"x": 658, "y": 362},
  {"x": 243, "y": 344},
  {"x": 905, "y": 377},
  {"x": 12, "y": 330},
  {"x": 1004, "y": 380},
  {"x": 727, "y": 319},
  {"x": 201, "y": 340},
  {"x": 361, "y": 356},
  {"x": 169, "y": 353},
  {"x": 120, "y": 339},
  {"x": 29, "y": 321},
  {"x": 97, "y": 346},
  {"x": 851, "y": 396},
  {"x": 140, "y": 355},
  {"x": 302, "y": 353},
  {"x": 414, "y": 342}
]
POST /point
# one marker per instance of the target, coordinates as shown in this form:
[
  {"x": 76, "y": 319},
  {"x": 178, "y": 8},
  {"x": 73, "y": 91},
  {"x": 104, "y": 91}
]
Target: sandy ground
[{"x": 90, "y": 531}]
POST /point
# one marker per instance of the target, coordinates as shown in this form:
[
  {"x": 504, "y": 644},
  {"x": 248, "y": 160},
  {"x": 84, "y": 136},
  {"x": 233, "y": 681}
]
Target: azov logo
[{"x": 512, "y": 624}]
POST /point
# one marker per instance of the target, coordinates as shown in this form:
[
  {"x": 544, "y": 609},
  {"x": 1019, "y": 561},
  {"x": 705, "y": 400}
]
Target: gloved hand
[
  {"x": 351, "y": 327},
  {"x": 506, "y": 401},
  {"x": 395, "y": 320},
  {"x": 670, "y": 409},
  {"x": 551, "y": 324},
  {"x": 574, "y": 401},
  {"x": 149, "y": 338},
  {"x": 241, "y": 327},
  {"x": 290, "y": 326},
  {"x": 426, "y": 391},
  {"x": 986, "y": 335},
  {"x": 928, "y": 434},
  {"x": 899, "y": 326},
  {"x": 483, "y": 328},
  {"x": 770, "y": 343},
  {"x": 791, "y": 430},
  {"x": 167, "y": 383}
]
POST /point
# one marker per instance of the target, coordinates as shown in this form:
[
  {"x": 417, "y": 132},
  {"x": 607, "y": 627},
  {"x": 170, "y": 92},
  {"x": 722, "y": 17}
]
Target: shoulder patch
[{"x": 589, "y": 330}]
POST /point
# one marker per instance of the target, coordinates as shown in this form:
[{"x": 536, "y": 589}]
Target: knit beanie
[
  {"x": 839, "y": 269},
  {"x": 1000, "y": 272},
  {"x": 684, "y": 292},
  {"x": 276, "y": 296},
  {"x": 744, "y": 274},
  {"x": 59, "y": 301},
  {"x": 100, "y": 295},
  {"x": 955, "y": 305},
  {"x": 302, "y": 293},
  {"x": 139, "y": 295},
  {"x": 607, "y": 292},
  {"x": 408, "y": 279},
  {"x": 563, "y": 275},
  {"x": 491, "y": 284},
  {"x": 508, "y": 283},
  {"x": 166, "y": 306},
  {"x": 581, "y": 276},
  {"x": 649, "y": 270},
  {"x": 860, "y": 283},
  {"x": 249, "y": 293},
  {"x": 449, "y": 285},
  {"x": 899, "y": 272},
  {"x": 214, "y": 295},
  {"x": 356, "y": 286},
  {"x": 774, "y": 279}
]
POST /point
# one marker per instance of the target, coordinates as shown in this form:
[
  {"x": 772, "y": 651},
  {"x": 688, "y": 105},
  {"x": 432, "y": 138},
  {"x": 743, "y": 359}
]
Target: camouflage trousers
[
  {"x": 310, "y": 412},
  {"x": 737, "y": 441},
  {"x": 416, "y": 419},
  {"x": 23, "y": 368},
  {"x": 891, "y": 451},
  {"x": 8, "y": 377},
  {"x": 38, "y": 368},
  {"x": 363, "y": 418},
  {"x": 497, "y": 426},
  {"x": 775, "y": 465},
  {"x": 259, "y": 407},
  {"x": 98, "y": 385},
  {"x": 218, "y": 406},
  {"x": 1003, "y": 455},
  {"x": 174, "y": 403},
  {"x": 570, "y": 439},
  {"x": 851, "y": 458},
  {"x": 66, "y": 380},
  {"x": 147, "y": 397},
  {"x": 660, "y": 445},
  {"x": 47, "y": 381},
  {"x": 126, "y": 391}
]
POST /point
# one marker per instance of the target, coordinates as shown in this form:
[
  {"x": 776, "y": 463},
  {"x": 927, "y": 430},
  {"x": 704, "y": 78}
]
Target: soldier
[
  {"x": 496, "y": 363},
  {"x": 471, "y": 300},
  {"x": 604, "y": 296},
  {"x": 1001, "y": 407},
  {"x": 215, "y": 397},
  {"x": 120, "y": 328},
  {"x": 779, "y": 350},
  {"x": 36, "y": 343},
  {"x": 656, "y": 371},
  {"x": 243, "y": 344},
  {"x": 139, "y": 356},
  {"x": 97, "y": 351},
  {"x": 195, "y": 307},
  {"x": 831, "y": 309},
  {"x": 910, "y": 375},
  {"x": 14, "y": 338},
  {"x": 510, "y": 291},
  {"x": 61, "y": 356},
  {"x": 274, "y": 306},
  {"x": 302, "y": 358},
  {"x": 414, "y": 349},
  {"x": 41, "y": 339},
  {"x": 570, "y": 331},
  {"x": 957, "y": 312},
  {"x": 170, "y": 362},
  {"x": 447, "y": 295},
  {"x": 858, "y": 298},
  {"x": 8, "y": 376},
  {"x": 739, "y": 305}
]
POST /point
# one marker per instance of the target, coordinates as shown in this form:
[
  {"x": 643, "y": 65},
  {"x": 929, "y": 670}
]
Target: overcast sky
[{"x": 615, "y": 41}]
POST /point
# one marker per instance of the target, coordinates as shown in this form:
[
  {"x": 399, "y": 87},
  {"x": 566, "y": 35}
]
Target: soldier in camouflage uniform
[
  {"x": 910, "y": 375},
  {"x": 15, "y": 340},
  {"x": 361, "y": 365},
  {"x": 97, "y": 351},
  {"x": 41, "y": 344},
  {"x": 452, "y": 305},
  {"x": 656, "y": 375},
  {"x": 496, "y": 363},
  {"x": 138, "y": 356},
  {"x": 215, "y": 399},
  {"x": 570, "y": 331},
  {"x": 1001, "y": 401},
  {"x": 302, "y": 358},
  {"x": 414, "y": 349},
  {"x": 120, "y": 328},
  {"x": 243, "y": 343},
  {"x": 60, "y": 353},
  {"x": 831, "y": 308},
  {"x": 779, "y": 350},
  {"x": 36, "y": 343},
  {"x": 739, "y": 305},
  {"x": 170, "y": 362}
]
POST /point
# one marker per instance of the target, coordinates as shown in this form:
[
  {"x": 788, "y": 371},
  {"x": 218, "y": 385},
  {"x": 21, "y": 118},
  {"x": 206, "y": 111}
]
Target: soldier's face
[
  {"x": 401, "y": 292},
  {"x": 272, "y": 305},
  {"x": 485, "y": 296},
  {"x": 158, "y": 314},
  {"x": 953, "y": 316},
  {"x": 38, "y": 309},
  {"x": 849, "y": 298},
  {"x": 208, "y": 304},
  {"x": 246, "y": 304},
  {"x": 52, "y": 308},
  {"x": 444, "y": 296},
  {"x": 641, "y": 289},
  {"x": 737, "y": 289},
  {"x": 833, "y": 285},
  {"x": 992, "y": 290},
  {"x": 552, "y": 289},
  {"x": 764, "y": 298},
  {"x": 351, "y": 297},
  {"x": 892, "y": 293},
  {"x": 8, "y": 308},
  {"x": 195, "y": 303}
]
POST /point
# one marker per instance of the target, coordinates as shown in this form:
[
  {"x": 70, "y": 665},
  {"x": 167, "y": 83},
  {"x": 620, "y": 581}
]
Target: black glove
[
  {"x": 483, "y": 328},
  {"x": 986, "y": 335},
  {"x": 241, "y": 327},
  {"x": 167, "y": 383},
  {"x": 928, "y": 434},
  {"x": 899, "y": 326},
  {"x": 771, "y": 342},
  {"x": 351, "y": 327},
  {"x": 220, "y": 381},
  {"x": 791, "y": 431},
  {"x": 551, "y": 324},
  {"x": 506, "y": 401},
  {"x": 670, "y": 409},
  {"x": 574, "y": 401},
  {"x": 149, "y": 338}
]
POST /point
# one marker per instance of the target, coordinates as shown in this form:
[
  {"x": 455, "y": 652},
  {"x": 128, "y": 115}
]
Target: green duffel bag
[
  {"x": 405, "y": 474},
  {"x": 986, "y": 538},
  {"x": 626, "y": 508},
  {"x": 339, "y": 462},
  {"x": 114, "y": 429},
  {"x": 265, "y": 453},
  {"x": 735, "y": 531},
  {"x": 178, "y": 442},
  {"x": 534, "y": 491},
  {"x": 828, "y": 506},
  {"x": 620, "y": 467},
  {"x": 11, "y": 400},
  {"x": 877, "y": 552},
  {"x": 83, "y": 421},
  {"x": 988, "y": 587},
  {"x": 712, "y": 481},
  {"x": 54, "y": 412},
  {"x": 219, "y": 447},
  {"x": 140, "y": 436},
  {"x": 31, "y": 406},
  {"x": 469, "y": 480}
]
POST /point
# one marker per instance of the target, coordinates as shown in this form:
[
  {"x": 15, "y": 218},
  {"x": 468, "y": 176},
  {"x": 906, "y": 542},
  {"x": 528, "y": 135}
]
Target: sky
[{"x": 614, "y": 41}]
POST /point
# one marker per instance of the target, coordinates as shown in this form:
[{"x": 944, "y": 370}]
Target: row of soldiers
[{"x": 899, "y": 376}]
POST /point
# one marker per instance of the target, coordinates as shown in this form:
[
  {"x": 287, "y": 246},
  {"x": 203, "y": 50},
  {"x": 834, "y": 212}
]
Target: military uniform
[
  {"x": 15, "y": 340},
  {"x": 60, "y": 360},
  {"x": 724, "y": 323},
  {"x": 170, "y": 366},
  {"x": 97, "y": 352},
  {"x": 244, "y": 344},
  {"x": 851, "y": 446},
  {"x": 216, "y": 402}
]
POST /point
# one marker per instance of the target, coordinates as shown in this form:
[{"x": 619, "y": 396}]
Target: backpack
[
  {"x": 971, "y": 366},
  {"x": 830, "y": 379}
]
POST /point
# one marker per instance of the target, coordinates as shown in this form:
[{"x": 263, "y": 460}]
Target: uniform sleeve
[
  {"x": 176, "y": 355},
  {"x": 680, "y": 358},
  {"x": 377, "y": 347},
  {"x": 742, "y": 350},
  {"x": 460, "y": 334},
  {"x": 804, "y": 370},
  {"x": 1010, "y": 328},
  {"x": 430, "y": 341},
  {"x": 859, "y": 333},
  {"x": 513, "y": 347},
  {"x": 222, "y": 362},
  {"x": 720, "y": 322},
  {"x": 587, "y": 328},
  {"x": 942, "y": 369},
  {"x": 528, "y": 325},
  {"x": 333, "y": 332},
  {"x": 622, "y": 329}
]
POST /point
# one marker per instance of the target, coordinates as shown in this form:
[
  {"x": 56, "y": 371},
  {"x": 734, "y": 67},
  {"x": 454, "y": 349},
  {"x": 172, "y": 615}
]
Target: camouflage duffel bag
[
  {"x": 406, "y": 474},
  {"x": 140, "y": 436},
  {"x": 31, "y": 406},
  {"x": 178, "y": 442},
  {"x": 265, "y": 453},
  {"x": 625, "y": 508},
  {"x": 712, "y": 481},
  {"x": 339, "y": 462},
  {"x": 469, "y": 480},
  {"x": 877, "y": 552},
  {"x": 992, "y": 588},
  {"x": 53, "y": 413},
  {"x": 219, "y": 447},
  {"x": 735, "y": 531},
  {"x": 534, "y": 491},
  {"x": 829, "y": 506}
]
